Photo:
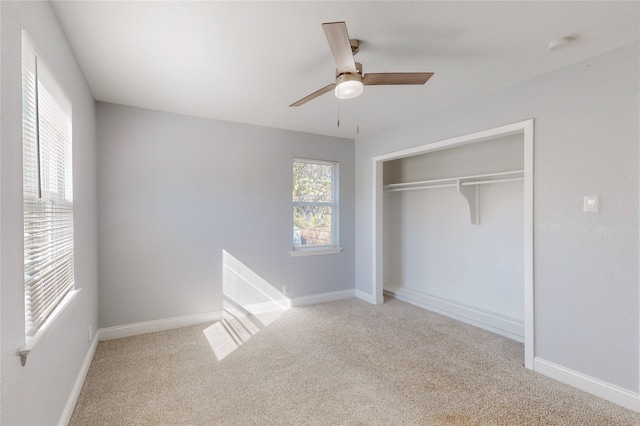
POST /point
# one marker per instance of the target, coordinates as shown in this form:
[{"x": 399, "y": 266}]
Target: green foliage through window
[{"x": 313, "y": 203}]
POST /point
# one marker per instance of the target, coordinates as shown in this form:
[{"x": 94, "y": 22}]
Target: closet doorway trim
[{"x": 525, "y": 128}]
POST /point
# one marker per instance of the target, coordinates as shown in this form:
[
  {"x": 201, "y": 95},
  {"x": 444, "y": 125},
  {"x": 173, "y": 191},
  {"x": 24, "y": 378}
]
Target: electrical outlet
[
  {"x": 285, "y": 290},
  {"x": 90, "y": 333}
]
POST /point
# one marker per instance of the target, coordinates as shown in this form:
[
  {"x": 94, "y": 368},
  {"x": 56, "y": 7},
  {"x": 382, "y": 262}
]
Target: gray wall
[
  {"x": 175, "y": 191},
  {"x": 37, "y": 393},
  {"x": 499, "y": 154},
  {"x": 585, "y": 265}
]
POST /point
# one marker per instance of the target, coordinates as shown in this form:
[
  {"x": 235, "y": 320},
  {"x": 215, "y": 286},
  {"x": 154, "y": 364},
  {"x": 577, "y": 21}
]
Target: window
[
  {"x": 315, "y": 206},
  {"x": 47, "y": 190}
]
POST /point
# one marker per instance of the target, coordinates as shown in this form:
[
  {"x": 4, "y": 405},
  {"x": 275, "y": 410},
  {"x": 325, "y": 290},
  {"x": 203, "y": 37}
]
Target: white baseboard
[
  {"x": 366, "y": 297},
  {"x": 77, "y": 386},
  {"x": 272, "y": 305},
  {"x": 117, "y": 332},
  {"x": 496, "y": 323},
  {"x": 604, "y": 390},
  {"x": 120, "y": 331},
  {"x": 323, "y": 297}
]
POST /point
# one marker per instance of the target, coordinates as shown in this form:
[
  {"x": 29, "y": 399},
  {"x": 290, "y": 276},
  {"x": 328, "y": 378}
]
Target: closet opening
[{"x": 453, "y": 229}]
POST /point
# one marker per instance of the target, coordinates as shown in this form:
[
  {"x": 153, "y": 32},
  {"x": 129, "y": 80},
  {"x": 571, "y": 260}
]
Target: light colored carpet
[{"x": 338, "y": 363}]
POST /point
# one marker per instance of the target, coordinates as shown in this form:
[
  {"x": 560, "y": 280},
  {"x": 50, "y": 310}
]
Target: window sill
[
  {"x": 315, "y": 251},
  {"x": 32, "y": 341}
]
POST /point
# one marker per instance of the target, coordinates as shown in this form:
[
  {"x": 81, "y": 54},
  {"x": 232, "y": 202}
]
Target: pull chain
[
  {"x": 358, "y": 116},
  {"x": 338, "y": 112}
]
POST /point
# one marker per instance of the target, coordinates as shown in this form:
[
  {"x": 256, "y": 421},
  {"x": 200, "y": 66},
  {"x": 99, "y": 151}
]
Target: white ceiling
[{"x": 247, "y": 61}]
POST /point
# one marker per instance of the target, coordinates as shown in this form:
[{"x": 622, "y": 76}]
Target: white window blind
[{"x": 47, "y": 189}]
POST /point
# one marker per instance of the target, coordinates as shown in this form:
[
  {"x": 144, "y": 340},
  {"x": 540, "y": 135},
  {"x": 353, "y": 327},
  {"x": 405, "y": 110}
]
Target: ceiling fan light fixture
[
  {"x": 349, "y": 86},
  {"x": 350, "y": 80}
]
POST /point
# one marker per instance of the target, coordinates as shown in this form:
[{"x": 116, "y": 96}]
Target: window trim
[
  {"x": 32, "y": 341},
  {"x": 313, "y": 251},
  {"x": 334, "y": 247},
  {"x": 53, "y": 203}
]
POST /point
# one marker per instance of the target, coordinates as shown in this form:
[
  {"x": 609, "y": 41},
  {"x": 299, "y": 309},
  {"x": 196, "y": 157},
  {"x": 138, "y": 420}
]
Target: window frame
[
  {"x": 47, "y": 207},
  {"x": 334, "y": 204}
]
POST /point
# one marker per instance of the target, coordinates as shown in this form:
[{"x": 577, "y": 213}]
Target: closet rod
[
  {"x": 411, "y": 188},
  {"x": 482, "y": 182},
  {"x": 479, "y": 182}
]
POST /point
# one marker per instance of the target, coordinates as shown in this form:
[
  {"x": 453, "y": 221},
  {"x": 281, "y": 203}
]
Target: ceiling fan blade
[
  {"x": 338, "y": 39},
  {"x": 396, "y": 78},
  {"x": 314, "y": 95}
]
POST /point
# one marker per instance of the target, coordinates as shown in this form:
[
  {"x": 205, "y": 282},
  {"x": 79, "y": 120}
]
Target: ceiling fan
[{"x": 350, "y": 80}]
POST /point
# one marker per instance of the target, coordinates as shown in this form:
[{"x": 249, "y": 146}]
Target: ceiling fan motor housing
[{"x": 350, "y": 75}]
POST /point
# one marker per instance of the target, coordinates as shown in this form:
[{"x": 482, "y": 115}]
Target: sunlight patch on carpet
[
  {"x": 249, "y": 304},
  {"x": 220, "y": 340}
]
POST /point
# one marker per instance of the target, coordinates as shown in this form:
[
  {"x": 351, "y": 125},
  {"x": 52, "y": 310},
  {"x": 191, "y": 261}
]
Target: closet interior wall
[{"x": 435, "y": 257}]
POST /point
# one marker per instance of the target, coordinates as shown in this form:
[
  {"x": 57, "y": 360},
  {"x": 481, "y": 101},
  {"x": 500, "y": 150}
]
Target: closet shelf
[
  {"x": 468, "y": 186},
  {"x": 454, "y": 181}
]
